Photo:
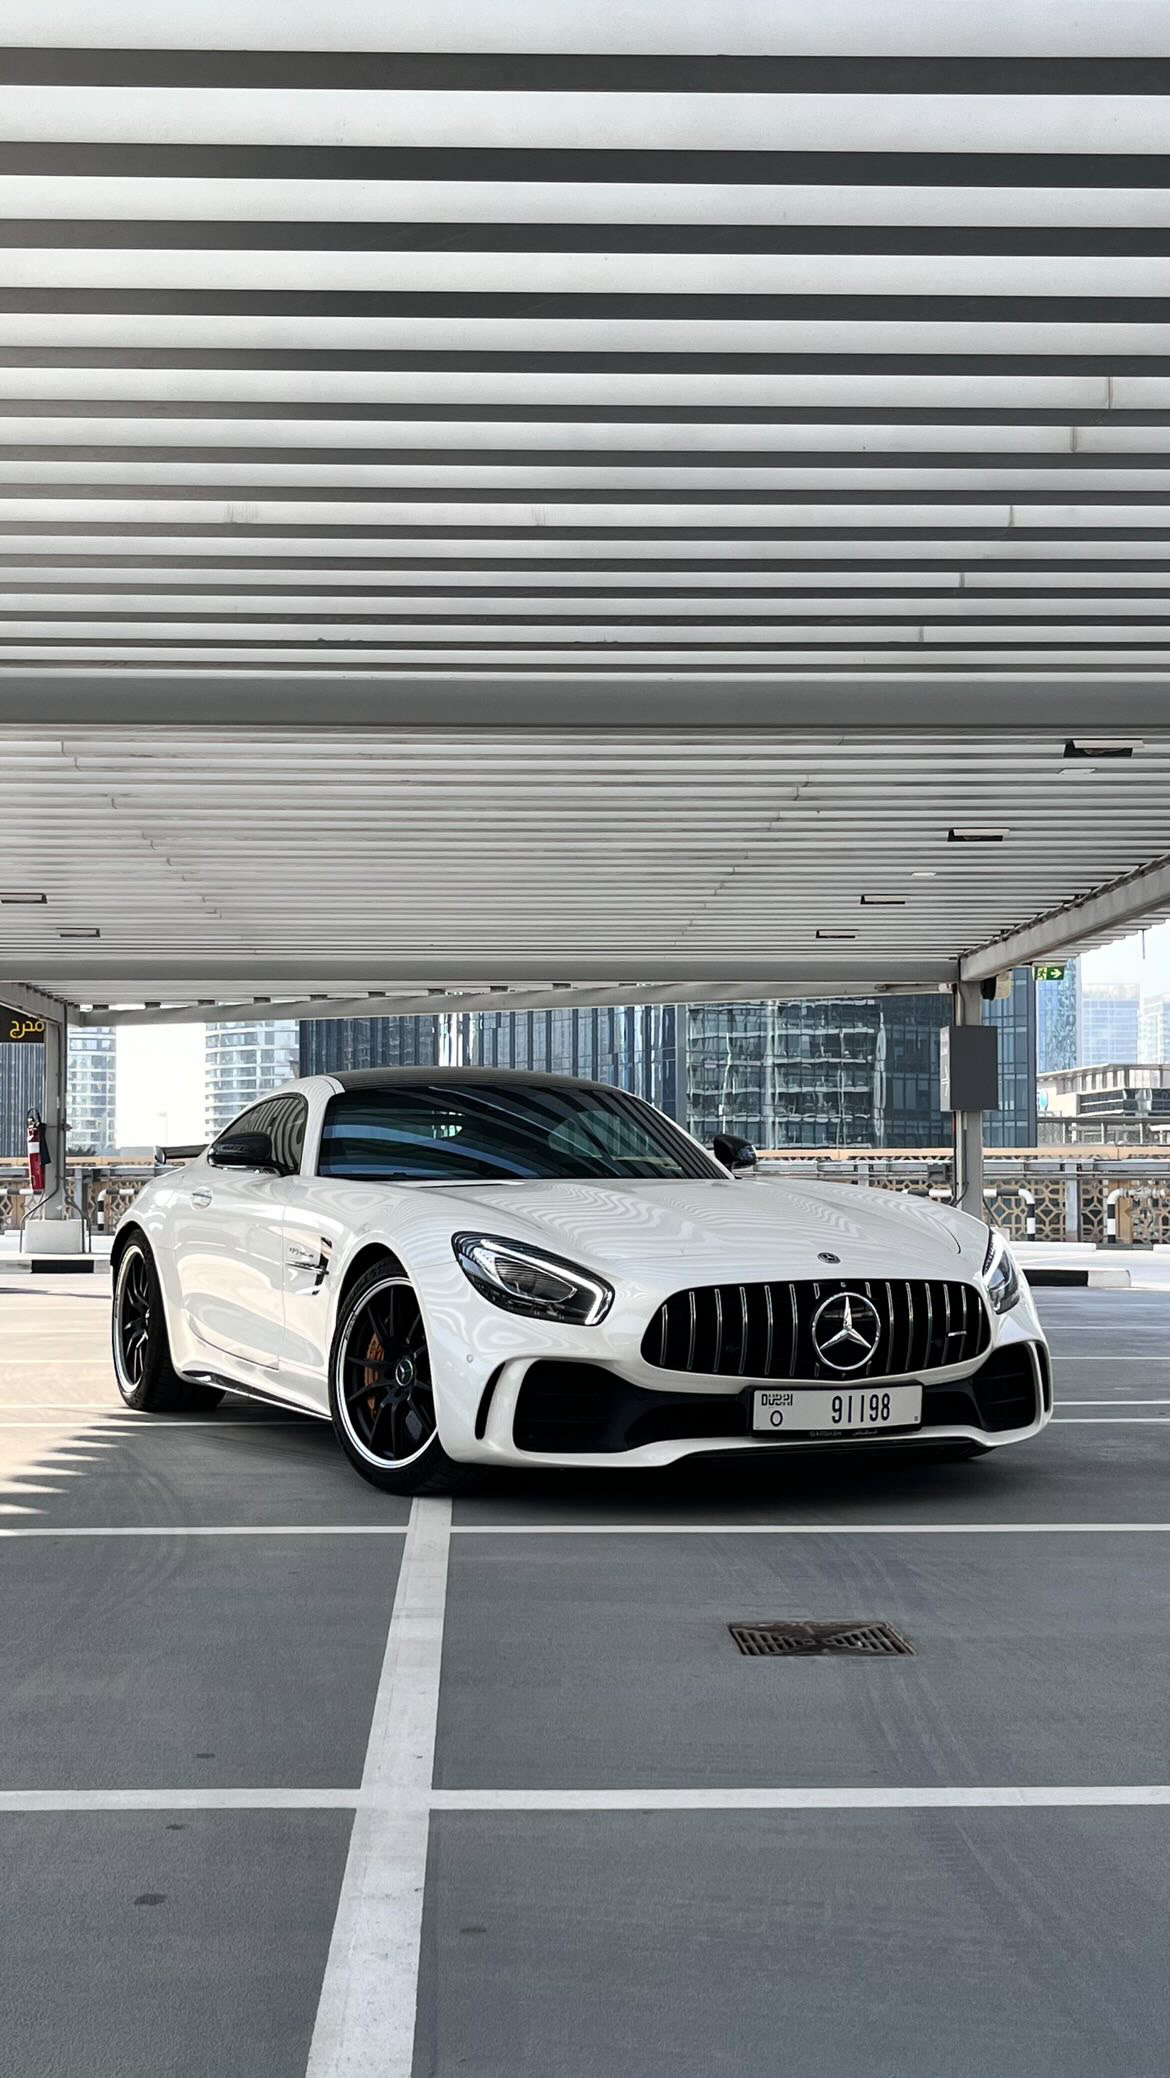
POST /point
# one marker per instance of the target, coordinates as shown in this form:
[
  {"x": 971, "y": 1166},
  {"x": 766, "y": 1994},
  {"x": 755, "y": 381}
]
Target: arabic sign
[{"x": 18, "y": 1030}]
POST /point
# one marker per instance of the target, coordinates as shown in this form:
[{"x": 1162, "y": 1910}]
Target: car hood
[{"x": 758, "y": 1228}]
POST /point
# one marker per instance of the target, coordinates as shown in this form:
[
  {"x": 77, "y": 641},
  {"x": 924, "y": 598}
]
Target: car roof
[{"x": 425, "y": 1078}]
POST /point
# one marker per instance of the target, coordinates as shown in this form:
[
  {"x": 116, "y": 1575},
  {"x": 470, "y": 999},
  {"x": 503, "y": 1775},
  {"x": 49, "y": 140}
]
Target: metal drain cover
[{"x": 790, "y": 1638}]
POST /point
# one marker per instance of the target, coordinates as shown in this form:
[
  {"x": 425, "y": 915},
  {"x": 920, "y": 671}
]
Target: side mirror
[
  {"x": 735, "y": 1154},
  {"x": 243, "y": 1151}
]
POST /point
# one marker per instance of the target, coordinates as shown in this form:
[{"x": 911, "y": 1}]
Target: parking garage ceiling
[{"x": 503, "y": 494}]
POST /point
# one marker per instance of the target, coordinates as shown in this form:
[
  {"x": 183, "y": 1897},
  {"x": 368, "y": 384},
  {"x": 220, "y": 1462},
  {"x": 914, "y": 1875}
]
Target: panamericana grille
[{"x": 765, "y": 1330}]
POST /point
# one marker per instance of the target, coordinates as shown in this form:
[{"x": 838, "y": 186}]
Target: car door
[{"x": 228, "y": 1228}]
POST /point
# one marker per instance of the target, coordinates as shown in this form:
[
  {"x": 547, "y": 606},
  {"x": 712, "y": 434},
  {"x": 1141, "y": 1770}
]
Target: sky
[{"x": 160, "y": 1067}]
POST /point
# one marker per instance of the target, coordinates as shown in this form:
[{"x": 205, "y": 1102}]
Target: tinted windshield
[{"x": 496, "y": 1132}]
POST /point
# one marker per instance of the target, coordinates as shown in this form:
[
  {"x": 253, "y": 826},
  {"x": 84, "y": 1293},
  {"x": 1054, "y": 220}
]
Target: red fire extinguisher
[{"x": 37, "y": 1141}]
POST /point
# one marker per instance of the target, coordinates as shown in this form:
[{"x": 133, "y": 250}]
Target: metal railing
[{"x": 1107, "y": 1194}]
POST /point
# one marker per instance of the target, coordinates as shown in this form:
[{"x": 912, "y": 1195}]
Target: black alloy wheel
[
  {"x": 147, "y": 1379},
  {"x": 380, "y": 1389}
]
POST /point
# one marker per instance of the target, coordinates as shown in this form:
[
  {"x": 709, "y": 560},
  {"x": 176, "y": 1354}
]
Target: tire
[
  {"x": 147, "y": 1379},
  {"x": 380, "y": 1394}
]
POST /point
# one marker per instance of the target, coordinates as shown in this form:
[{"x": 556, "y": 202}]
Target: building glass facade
[
  {"x": 1154, "y": 1029},
  {"x": 331, "y": 1044},
  {"x": 1108, "y": 1024},
  {"x": 1057, "y": 1011},
  {"x": 825, "y": 1073},
  {"x": 90, "y": 1106},
  {"x": 842, "y": 1072},
  {"x": 244, "y": 1060},
  {"x": 634, "y": 1048}
]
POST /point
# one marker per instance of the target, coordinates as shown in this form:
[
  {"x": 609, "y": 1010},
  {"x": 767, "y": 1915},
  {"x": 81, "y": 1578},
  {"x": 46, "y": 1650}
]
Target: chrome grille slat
[
  {"x": 743, "y": 1329},
  {"x": 923, "y": 1326}
]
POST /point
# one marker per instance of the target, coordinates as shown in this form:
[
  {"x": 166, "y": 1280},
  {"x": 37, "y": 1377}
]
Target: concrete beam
[
  {"x": 1107, "y": 913},
  {"x": 31, "y": 1002},
  {"x": 933, "y": 702},
  {"x": 445, "y": 1002}
]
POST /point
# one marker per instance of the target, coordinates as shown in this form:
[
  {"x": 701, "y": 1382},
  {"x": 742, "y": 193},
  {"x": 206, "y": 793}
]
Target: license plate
[{"x": 842, "y": 1410}]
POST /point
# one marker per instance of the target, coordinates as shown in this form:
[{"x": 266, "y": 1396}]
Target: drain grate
[{"x": 790, "y": 1638}]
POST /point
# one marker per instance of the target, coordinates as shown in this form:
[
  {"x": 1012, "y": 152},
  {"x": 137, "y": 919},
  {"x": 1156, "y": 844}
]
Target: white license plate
[{"x": 843, "y": 1410}]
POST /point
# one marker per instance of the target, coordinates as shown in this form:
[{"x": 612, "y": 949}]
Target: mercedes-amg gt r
[{"x": 462, "y": 1267}]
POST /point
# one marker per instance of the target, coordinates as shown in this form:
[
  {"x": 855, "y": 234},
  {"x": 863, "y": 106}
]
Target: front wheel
[
  {"x": 147, "y": 1379},
  {"x": 380, "y": 1392}
]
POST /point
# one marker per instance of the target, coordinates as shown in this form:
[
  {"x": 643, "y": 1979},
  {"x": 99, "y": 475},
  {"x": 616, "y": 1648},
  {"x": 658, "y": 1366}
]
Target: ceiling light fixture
[
  {"x": 87, "y": 933},
  {"x": 837, "y": 934},
  {"x": 883, "y": 901},
  {"x": 1102, "y": 746},
  {"x": 21, "y": 895},
  {"x": 975, "y": 833}
]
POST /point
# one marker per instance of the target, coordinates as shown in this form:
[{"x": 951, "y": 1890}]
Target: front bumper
[{"x": 515, "y": 1392}]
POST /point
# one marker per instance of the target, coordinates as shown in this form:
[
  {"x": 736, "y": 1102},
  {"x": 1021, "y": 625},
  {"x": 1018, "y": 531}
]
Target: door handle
[{"x": 201, "y": 1197}]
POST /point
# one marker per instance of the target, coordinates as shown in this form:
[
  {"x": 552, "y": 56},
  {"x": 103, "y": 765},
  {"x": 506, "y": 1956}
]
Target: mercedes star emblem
[
  {"x": 846, "y": 1330},
  {"x": 826, "y": 1256}
]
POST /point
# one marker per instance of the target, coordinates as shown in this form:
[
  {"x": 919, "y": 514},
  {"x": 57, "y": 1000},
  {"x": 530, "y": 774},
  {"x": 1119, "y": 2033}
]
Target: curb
[
  {"x": 1114, "y": 1279},
  {"x": 48, "y": 1265}
]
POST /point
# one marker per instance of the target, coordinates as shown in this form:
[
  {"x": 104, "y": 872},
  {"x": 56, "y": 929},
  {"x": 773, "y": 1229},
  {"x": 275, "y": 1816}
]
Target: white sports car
[{"x": 458, "y": 1267}]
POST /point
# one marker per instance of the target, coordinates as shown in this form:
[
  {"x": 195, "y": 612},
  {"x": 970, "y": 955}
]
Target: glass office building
[
  {"x": 330, "y": 1044},
  {"x": 634, "y": 1048},
  {"x": 90, "y": 1105},
  {"x": 244, "y": 1060},
  {"x": 1057, "y": 1015},
  {"x": 1109, "y": 1015},
  {"x": 838, "y": 1072},
  {"x": 823, "y": 1073}
]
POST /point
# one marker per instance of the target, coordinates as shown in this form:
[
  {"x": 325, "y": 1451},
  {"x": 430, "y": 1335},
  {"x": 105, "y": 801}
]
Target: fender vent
[{"x": 789, "y": 1639}]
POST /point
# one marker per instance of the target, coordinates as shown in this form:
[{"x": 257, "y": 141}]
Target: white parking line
[
  {"x": 610, "y": 1529},
  {"x": 183, "y": 1529},
  {"x": 1106, "y": 1421},
  {"x": 807, "y": 1529},
  {"x": 366, "y": 2014},
  {"x": 364, "y": 2052},
  {"x": 178, "y": 1799},
  {"x": 930, "y": 1799}
]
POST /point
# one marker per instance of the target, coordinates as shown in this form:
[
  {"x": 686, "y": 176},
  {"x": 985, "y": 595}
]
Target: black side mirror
[
  {"x": 243, "y": 1151},
  {"x": 735, "y": 1154}
]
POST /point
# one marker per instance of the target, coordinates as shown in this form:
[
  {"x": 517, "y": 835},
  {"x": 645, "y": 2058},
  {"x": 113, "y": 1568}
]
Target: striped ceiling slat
[{"x": 643, "y": 362}]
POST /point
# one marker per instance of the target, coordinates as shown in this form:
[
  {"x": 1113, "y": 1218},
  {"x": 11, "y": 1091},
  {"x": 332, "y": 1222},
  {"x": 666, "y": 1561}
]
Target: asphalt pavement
[{"x": 296, "y": 1779}]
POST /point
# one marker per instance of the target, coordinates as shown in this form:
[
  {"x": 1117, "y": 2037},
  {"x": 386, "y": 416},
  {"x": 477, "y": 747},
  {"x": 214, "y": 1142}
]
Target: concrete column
[
  {"x": 968, "y": 1125},
  {"x": 53, "y": 1114},
  {"x": 56, "y": 1231}
]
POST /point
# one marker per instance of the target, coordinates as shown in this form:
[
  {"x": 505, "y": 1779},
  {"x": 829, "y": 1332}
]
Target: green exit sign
[{"x": 1048, "y": 973}]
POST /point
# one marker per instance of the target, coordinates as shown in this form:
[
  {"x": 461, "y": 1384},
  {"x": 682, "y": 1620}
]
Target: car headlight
[
  {"x": 1001, "y": 1274},
  {"x": 525, "y": 1280}
]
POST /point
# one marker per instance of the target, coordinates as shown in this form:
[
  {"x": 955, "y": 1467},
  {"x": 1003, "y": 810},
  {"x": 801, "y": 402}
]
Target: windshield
[{"x": 498, "y": 1132}]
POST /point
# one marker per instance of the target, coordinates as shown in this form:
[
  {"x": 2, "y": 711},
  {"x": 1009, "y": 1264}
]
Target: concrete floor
[{"x": 643, "y": 1853}]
